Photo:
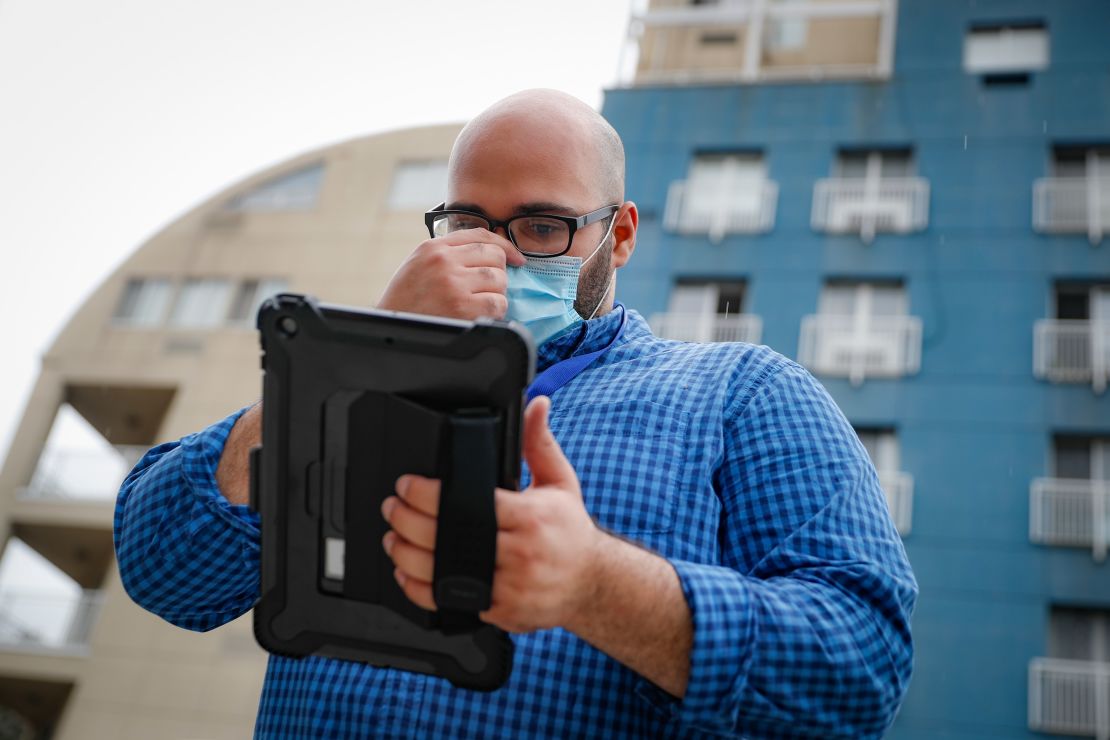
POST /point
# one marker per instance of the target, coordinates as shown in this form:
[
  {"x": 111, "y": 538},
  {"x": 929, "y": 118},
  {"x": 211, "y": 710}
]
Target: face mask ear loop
[
  {"x": 601, "y": 244},
  {"x": 612, "y": 283}
]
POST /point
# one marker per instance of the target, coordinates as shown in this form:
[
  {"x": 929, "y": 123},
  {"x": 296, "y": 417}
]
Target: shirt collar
[{"x": 586, "y": 336}]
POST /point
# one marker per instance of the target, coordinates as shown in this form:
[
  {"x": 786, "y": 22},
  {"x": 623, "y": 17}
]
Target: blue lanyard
[{"x": 564, "y": 371}]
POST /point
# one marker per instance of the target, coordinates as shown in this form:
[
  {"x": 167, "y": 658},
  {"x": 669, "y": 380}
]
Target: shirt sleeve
[
  {"x": 185, "y": 552},
  {"x": 803, "y": 628}
]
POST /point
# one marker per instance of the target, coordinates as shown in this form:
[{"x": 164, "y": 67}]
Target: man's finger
[
  {"x": 419, "y": 492},
  {"x": 512, "y": 511},
  {"x": 484, "y": 254},
  {"x": 410, "y": 523},
  {"x": 484, "y": 236},
  {"x": 418, "y": 592},
  {"x": 545, "y": 458},
  {"x": 414, "y": 562}
]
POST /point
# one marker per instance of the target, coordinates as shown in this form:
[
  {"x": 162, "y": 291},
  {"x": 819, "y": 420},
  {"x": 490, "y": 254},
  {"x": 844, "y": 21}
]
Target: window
[
  {"x": 1083, "y": 302},
  {"x": 1079, "y": 634},
  {"x": 723, "y": 193},
  {"x": 1014, "y": 47},
  {"x": 871, "y": 190},
  {"x": 249, "y": 297},
  {"x": 1082, "y": 458},
  {"x": 202, "y": 303},
  {"x": 143, "y": 303},
  {"x": 418, "y": 185},
  {"x": 882, "y": 447},
  {"x": 786, "y": 34},
  {"x": 862, "y": 300},
  {"x": 706, "y": 311},
  {"x": 861, "y": 329},
  {"x": 296, "y": 191}
]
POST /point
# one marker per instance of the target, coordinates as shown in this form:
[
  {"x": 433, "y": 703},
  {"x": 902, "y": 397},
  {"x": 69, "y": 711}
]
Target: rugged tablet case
[{"x": 352, "y": 399}]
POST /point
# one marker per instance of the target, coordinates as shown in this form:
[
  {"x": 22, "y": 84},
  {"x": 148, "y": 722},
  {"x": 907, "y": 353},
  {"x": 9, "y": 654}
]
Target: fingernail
[
  {"x": 402, "y": 485},
  {"x": 388, "y": 542},
  {"x": 399, "y": 576},
  {"x": 388, "y": 506}
]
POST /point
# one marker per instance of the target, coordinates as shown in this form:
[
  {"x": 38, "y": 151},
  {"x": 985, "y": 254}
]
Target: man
[{"x": 702, "y": 547}]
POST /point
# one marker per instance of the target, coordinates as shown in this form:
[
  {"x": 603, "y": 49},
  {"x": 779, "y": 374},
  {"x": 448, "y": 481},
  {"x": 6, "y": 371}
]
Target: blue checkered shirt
[{"x": 728, "y": 460}]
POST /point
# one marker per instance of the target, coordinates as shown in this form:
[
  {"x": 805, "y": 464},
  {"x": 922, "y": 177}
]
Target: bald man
[{"x": 702, "y": 546}]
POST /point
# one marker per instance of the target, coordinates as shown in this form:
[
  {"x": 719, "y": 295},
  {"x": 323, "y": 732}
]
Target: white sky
[{"x": 118, "y": 116}]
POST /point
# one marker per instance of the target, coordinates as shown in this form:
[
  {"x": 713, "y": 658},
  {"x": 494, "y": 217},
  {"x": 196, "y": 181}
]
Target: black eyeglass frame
[{"x": 574, "y": 223}]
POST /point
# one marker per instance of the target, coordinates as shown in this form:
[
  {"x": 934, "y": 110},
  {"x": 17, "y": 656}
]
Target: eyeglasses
[{"x": 534, "y": 235}]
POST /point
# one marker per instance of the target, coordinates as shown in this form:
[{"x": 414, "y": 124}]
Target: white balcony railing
[
  {"x": 685, "y": 215},
  {"x": 866, "y": 205},
  {"x": 898, "y": 487},
  {"x": 1072, "y": 205},
  {"x": 861, "y": 346},
  {"x": 1067, "y": 351},
  {"x": 1069, "y": 697},
  {"x": 1070, "y": 513},
  {"x": 47, "y": 622},
  {"x": 707, "y": 327},
  {"x": 67, "y": 475}
]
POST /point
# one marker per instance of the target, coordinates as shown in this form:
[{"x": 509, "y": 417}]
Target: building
[
  {"x": 164, "y": 347},
  {"x": 911, "y": 198}
]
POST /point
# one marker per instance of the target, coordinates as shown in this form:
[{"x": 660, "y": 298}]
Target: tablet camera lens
[{"x": 287, "y": 325}]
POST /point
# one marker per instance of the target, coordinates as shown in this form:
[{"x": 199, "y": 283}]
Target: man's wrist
[{"x": 597, "y": 560}]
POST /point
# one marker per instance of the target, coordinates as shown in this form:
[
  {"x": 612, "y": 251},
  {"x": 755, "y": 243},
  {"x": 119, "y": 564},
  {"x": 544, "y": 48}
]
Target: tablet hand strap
[{"x": 466, "y": 532}]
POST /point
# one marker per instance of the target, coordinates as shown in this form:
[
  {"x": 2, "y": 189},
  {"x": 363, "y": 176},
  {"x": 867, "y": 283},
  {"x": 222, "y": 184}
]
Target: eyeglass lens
[{"x": 531, "y": 234}]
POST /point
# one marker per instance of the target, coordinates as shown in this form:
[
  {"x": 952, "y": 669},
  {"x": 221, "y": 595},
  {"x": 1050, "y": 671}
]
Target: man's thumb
[{"x": 545, "y": 458}]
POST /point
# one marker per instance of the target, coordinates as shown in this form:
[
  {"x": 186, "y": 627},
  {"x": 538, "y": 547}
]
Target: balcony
[
  {"x": 898, "y": 487},
  {"x": 865, "y": 206},
  {"x": 71, "y": 475},
  {"x": 1069, "y": 697},
  {"x": 33, "y": 622},
  {"x": 754, "y": 41},
  {"x": 688, "y": 215},
  {"x": 860, "y": 346},
  {"x": 1070, "y": 513},
  {"x": 1072, "y": 205},
  {"x": 1072, "y": 351},
  {"x": 708, "y": 327}
]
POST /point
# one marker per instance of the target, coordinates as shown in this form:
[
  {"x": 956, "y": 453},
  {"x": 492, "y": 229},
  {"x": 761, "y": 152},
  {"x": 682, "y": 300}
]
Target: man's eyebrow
[
  {"x": 523, "y": 208},
  {"x": 544, "y": 207},
  {"x": 472, "y": 207}
]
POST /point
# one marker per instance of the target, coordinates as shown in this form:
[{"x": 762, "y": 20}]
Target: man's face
[{"x": 511, "y": 170}]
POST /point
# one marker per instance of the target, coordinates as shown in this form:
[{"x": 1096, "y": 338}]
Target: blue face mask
[{"x": 541, "y": 292}]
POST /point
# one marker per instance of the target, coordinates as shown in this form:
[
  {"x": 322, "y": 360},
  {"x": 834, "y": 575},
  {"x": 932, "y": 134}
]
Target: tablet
[{"x": 354, "y": 398}]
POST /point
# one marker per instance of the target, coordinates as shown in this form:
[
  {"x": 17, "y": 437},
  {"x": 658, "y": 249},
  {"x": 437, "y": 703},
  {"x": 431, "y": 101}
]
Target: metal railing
[
  {"x": 868, "y": 205},
  {"x": 38, "y": 621},
  {"x": 1069, "y": 697},
  {"x": 860, "y": 346},
  {"x": 1070, "y": 513},
  {"x": 1072, "y": 351},
  {"x": 898, "y": 487},
  {"x": 1072, "y": 205},
  {"x": 684, "y": 217},
  {"x": 694, "y": 327},
  {"x": 75, "y": 475}
]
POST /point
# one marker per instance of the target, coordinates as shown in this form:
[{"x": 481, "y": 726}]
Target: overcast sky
[{"x": 116, "y": 116}]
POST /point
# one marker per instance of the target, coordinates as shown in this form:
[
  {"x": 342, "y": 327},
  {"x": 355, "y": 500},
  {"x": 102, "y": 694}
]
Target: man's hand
[
  {"x": 233, "y": 474},
  {"x": 547, "y": 544},
  {"x": 461, "y": 275}
]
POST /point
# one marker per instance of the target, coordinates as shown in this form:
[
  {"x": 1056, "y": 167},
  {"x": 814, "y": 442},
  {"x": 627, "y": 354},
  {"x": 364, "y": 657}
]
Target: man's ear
[{"x": 624, "y": 233}]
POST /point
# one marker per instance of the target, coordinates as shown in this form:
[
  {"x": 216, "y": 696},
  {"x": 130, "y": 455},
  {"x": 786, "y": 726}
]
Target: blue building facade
[{"x": 993, "y": 120}]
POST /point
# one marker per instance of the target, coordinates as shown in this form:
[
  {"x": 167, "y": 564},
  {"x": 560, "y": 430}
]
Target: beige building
[{"x": 163, "y": 348}]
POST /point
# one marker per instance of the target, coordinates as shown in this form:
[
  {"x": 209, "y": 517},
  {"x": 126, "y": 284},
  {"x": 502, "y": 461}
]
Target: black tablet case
[{"x": 352, "y": 399}]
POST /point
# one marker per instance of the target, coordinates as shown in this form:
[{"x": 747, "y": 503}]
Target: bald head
[{"x": 555, "y": 130}]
